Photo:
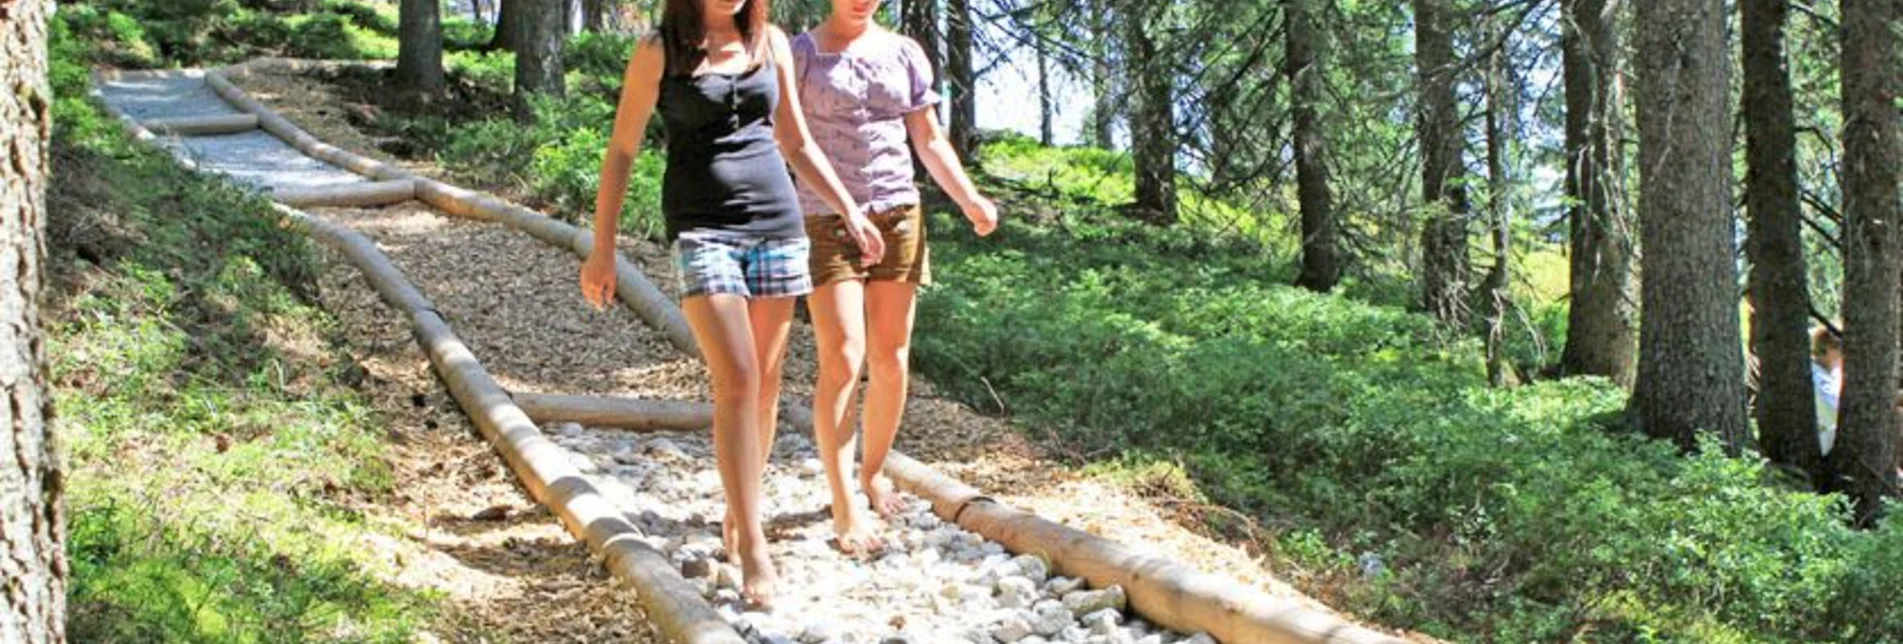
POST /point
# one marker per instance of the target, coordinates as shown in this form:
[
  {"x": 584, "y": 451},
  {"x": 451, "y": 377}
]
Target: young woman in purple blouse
[{"x": 866, "y": 91}]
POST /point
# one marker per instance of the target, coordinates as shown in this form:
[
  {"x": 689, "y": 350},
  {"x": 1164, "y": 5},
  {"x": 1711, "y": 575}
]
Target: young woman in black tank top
[{"x": 723, "y": 80}]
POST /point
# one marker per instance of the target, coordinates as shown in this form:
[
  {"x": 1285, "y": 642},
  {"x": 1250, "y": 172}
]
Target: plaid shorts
[{"x": 711, "y": 262}]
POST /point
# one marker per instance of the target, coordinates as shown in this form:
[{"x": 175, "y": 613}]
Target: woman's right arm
[{"x": 640, "y": 87}]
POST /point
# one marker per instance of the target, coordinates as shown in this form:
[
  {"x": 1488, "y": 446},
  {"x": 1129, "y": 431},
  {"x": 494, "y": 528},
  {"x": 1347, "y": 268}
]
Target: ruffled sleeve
[{"x": 918, "y": 69}]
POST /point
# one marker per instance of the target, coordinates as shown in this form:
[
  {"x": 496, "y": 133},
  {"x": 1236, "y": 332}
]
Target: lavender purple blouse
[{"x": 855, "y": 103}]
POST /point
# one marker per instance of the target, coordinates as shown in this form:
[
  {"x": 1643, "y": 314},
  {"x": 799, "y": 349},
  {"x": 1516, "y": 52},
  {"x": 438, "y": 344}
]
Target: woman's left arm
[
  {"x": 941, "y": 160},
  {"x": 809, "y": 163}
]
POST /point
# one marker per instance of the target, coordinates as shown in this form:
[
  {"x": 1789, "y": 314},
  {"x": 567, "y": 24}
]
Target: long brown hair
[{"x": 683, "y": 33}]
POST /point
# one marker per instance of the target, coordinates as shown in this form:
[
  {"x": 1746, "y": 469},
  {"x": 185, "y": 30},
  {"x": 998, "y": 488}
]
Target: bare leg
[
  {"x": 723, "y": 329},
  {"x": 772, "y": 321},
  {"x": 839, "y": 326},
  {"x": 889, "y": 310}
]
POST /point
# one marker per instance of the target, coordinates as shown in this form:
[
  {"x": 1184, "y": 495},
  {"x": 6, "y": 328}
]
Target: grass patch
[{"x": 219, "y": 453}]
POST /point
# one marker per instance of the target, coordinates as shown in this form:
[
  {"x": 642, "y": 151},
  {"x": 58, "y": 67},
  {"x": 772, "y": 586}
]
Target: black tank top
[{"x": 724, "y": 169}]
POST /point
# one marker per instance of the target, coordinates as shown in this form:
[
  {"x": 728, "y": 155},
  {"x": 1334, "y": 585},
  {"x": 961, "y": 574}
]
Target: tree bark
[
  {"x": 1321, "y": 269},
  {"x": 1153, "y": 129},
  {"x": 33, "y": 568},
  {"x": 1691, "y": 367},
  {"x": 1445, "y": 267},
  {"x": 1601, "y": 330},
  {"x": 508, "y": 21},
  {"x": 595, "y": 15},
  {"x": 964, "y": 80},
  {"x": 540, "y": 37},
  {"x": 419, "y": 59},
  {"x": 1046, "y": 109},
  {"x": 1103, "y": 117},
  {"x": 920, "y": 18},
  {"x": 1780, "y": 296},
  {"x": 1863, "y": 460},
  {"x": 1499, "y": 104}
]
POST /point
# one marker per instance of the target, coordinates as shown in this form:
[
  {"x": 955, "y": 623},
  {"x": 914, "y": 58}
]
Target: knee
[
  {"x": 839, "y": 367},
  {"x": 736, "y": 378},
  {"x": 890, "y": 361}
]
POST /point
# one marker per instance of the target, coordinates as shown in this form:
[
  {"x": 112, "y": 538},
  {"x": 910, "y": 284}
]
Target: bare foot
[
  {"x": 883, "y": 498},
  {"x": 730, "y": 537},
  {"x": 759, "y": 578},
  {"x": 855, "y": 534}
]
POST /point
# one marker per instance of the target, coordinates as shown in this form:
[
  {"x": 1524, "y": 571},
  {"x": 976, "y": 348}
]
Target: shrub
[{"x": 1521, "y": 515}]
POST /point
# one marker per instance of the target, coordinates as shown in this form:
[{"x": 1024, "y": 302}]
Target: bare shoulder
[{"x": 650, "y": 53}]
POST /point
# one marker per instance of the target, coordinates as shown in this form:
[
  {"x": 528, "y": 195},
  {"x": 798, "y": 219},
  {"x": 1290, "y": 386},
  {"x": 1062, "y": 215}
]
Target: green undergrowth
[
  {"x": 1365, "y": 442},
  {"x": 198, "y": 33},
  {"x": 217, "y": 448}
]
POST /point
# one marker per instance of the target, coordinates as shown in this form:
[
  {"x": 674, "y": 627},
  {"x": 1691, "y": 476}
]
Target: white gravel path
[{"x": 935, "y": 582}]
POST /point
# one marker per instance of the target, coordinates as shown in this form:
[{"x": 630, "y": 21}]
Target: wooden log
[
  {"x": 674, "y": 606},
  {"x": 147, "y": 74},
  {"x": 203, "y": 125},
  {"x": 620, "y": 413},
  {"x": 373, "y": 193},
  {"x": 270, "y": 121},
  {"x": 1161, "y": 590}
]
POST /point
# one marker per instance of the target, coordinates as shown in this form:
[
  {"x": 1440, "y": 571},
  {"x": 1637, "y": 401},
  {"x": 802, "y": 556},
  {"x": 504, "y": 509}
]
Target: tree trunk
[
  {"x": 1103, "y": 117},
  {"x": 1691, "y": 367},
  {"x": 595, "y": 15},
  {"x": 920, "y": 18},
  {"x": 1601, "y": 325},
  {"x": 1445, "y": 267},
  {"x": 419, "y": 59},
  {"x": 32, "y": 514},
  {"x": 1863, "y": 461},
  {"x": 963, "y": 76},
  {"x": 1499, "y": 105},
  {"x": 1780, "y": 296},
  {"x": 1153, "y": 131},
  {"x": 538, "y": 58},
  {"x": 1321, "y": 269},
  {"x": 1046, "y": 109},
  {"x": 508, "y": 23}
]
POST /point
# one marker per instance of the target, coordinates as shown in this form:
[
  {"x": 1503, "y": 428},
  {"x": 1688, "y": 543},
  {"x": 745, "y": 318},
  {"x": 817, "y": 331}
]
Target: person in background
[
  {"x": 1827, "y": 379},
  {"x": 867, "y": 91},
  {"x": 722, "y": 78}
]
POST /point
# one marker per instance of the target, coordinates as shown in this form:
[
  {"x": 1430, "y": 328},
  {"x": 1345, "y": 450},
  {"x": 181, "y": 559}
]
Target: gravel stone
[{"x": 1084, "y": 602}]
